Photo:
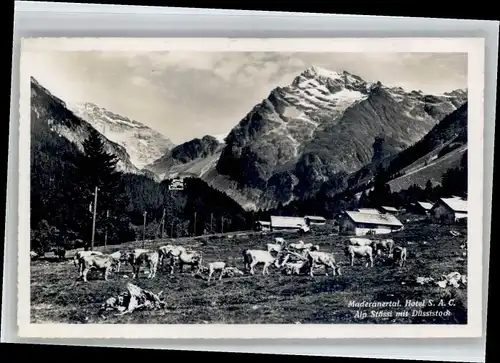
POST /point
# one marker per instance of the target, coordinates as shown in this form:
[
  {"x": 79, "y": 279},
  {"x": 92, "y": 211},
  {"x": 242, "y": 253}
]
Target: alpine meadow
[{"x": 248, "y": 188}]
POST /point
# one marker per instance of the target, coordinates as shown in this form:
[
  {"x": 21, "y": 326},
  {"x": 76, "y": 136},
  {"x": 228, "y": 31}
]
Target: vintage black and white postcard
[{"x": 251, "y": 188}]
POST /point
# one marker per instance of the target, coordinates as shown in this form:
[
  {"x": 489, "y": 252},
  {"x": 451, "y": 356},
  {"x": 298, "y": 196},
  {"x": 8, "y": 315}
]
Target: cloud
[{"x": 191, "y": 94}]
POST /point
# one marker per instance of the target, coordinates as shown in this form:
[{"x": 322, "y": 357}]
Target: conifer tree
[{"x": 97, "y": 168}]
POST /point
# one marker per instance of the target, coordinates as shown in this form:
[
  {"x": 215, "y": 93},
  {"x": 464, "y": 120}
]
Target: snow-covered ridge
[
  {"x": 318, "y": 88},
  {"x": 143, "y": 144}
]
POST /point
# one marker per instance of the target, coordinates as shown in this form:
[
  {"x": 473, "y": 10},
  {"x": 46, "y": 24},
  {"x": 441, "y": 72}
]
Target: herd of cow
[{"x": 291, "y": 258}]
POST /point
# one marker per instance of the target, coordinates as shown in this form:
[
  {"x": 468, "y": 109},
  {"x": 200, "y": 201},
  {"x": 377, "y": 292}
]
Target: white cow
[
  {"x": 98, "y": 262},
  {"x": 192, "y": 258},
  {"x": 359, "y": 251},
  {"x": 294, "y": 268},
  {"x": 322, "y": 258},
  {"x": 360, "y": 241},
  {"x": 216, "y": 266},
  {"x": 169, "y": 250},
  {"x": 150, "y": 258},
  {"x": 79, "y": 254},
  {"x": 252, "y": 258}
]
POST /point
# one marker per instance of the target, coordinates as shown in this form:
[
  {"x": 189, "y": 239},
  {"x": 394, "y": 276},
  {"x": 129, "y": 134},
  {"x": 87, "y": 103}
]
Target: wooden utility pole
[
  {"x": 106, "y": 233},
  {"x": 222, "y": 224},
  {"x": 93, "y": 219},
  {"x": 144, "y": 230},
  {"x": 194, "y": 226},
  {"x": 163, "y": 225},
  {"x": 211, "y": 223}
]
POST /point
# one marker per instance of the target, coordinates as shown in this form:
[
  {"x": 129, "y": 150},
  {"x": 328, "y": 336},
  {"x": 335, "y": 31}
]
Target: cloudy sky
[{"x": 188, "y": 95}]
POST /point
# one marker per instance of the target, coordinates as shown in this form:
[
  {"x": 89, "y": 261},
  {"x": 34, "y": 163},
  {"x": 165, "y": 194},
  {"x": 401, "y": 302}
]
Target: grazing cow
[
  {"x": 79, "y": 254},
  {"x": 294, "y": 268},
  {"x": 131, "y": 256},
  {"x": 322, "y": 258},
  {"x": 98, "y": 262},
  {"x": 359, "y": 251},
  {"x": 399, "y": 255},
  {"x": 169, "y": 250},
  {"x": 252, "y": 258},
  {"x": 274, "y": 247},
  {"x": 59, "y": 252},
  {"x": 150, "y": 258},
  {"x": 192, "y": 258},
  {"x": 385, "y": 245},
  {"x": 216, "y": 266},
  {"x": 359, "y": 241}
]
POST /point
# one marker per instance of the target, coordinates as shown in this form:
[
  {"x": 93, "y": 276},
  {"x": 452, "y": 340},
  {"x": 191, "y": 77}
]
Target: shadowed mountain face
[
  {"x": 441, "y": 149},
  {"x": 184, "y": 155},
  {"x": 322, "y": 127},
  {"x": 48, "y": 111}
]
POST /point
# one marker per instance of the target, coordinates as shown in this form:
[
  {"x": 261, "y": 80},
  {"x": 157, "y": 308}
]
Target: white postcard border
[{"x": 475, "y": 49}]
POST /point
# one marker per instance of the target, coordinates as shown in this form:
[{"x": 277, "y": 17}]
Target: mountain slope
[
  {"x": 143, "y": 144},
  {"x": 190, "y": 158},
  {"x": 320, "y": 128},
  {"x": 441, "y": 149},
  {"x": 47, "y": 109}
]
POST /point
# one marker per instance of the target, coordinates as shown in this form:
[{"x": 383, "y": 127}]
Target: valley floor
[{"x": 57, "y": 296}]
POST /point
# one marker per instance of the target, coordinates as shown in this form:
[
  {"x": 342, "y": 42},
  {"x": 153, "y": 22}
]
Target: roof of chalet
[
  {"x": 265, "y": 223},
  {"x": 368, "y": 210},
  {"x": 280, "y": 221},
  {"x": 425, "y": 205},
  {"x": 456, "y": 204},
  {"x": 316, "y": 217},
  {"x": 389, "y": 209},
  {"x": 368, "y": 218}
]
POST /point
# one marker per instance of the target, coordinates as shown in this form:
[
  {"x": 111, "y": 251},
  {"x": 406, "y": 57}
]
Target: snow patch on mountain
[
  {"x": 220, "y": 137},
  {"x": 143, "y": 144}
]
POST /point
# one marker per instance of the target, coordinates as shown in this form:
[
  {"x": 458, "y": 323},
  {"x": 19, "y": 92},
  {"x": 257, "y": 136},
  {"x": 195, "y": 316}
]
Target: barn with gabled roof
[
  {"x": 358, "y": 223},
  {"x": 280, "y": 223},
  {"x": 450, "y": 210}
]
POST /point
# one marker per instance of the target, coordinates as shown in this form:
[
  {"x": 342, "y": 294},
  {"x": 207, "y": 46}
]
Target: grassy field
[{"x": 57, "y": 296}]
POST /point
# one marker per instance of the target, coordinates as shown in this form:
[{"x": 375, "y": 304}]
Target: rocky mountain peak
[
  {"x": 333, "y": 81},
  {"x": 319, "y": 72}
]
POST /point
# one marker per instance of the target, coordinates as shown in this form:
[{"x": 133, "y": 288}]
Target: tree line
[
  {"x": 453, "y": 183},
  {"x": 63, "y": 184}
]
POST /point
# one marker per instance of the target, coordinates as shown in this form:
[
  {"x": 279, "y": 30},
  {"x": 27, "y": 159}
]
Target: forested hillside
[
  {"x": 63, "y": 181},
  {"x": 66, "y": 173},
  {"x": 213, "y": 211}
]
